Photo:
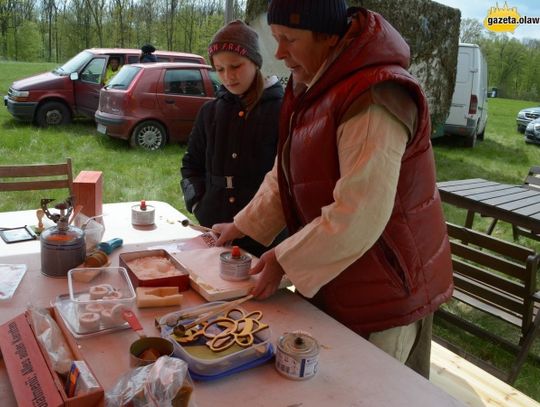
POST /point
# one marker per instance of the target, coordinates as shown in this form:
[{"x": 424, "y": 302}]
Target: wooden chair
[
  {"x": 497, "y": 278},
  {"x": 532, "y": 181},
  {"x": 36, "y": 177}
]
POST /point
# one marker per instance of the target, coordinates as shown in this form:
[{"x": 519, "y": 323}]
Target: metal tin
[
  {"x": 142, "y": 215},
  {"x": 297, "y": 355},
  {"x": 234, "y": 268},
  {"x": 61, "y": 250}
]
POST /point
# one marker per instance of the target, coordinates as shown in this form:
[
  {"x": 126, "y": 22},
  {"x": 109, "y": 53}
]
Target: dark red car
[
  {"x": 54, "y": 98},
  {"x": 152, "y": 104}
]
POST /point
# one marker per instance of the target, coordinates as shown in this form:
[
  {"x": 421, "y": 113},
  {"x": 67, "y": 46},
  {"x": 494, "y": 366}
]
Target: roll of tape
[{"x": 89, "y": 320}]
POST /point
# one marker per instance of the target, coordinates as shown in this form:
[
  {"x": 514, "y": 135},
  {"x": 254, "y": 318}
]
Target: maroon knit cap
[{"x": 236, "y": 37}]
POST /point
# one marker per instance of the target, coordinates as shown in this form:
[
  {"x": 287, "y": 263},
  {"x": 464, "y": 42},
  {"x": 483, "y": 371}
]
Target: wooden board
[
  {"x": 468, "y": 383},
  {"x": 204, "y": 265}
]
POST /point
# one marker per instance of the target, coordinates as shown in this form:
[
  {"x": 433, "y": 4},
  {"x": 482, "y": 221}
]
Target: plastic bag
[
  {"x": 10, "y": 277},
  {"x": 52, "y": 339},
  {"x": 154, "y": 385},
  {"x": 93, "y": 230}
]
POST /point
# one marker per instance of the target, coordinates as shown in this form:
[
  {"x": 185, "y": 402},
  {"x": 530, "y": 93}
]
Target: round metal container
[
  {"x": 234, "y": 268},
  {"x": 159, "y": 345},
  {"x": 61, "y": 250},
  {"x": 297, "y": 355},
  {"x": 142, "y": 215}
]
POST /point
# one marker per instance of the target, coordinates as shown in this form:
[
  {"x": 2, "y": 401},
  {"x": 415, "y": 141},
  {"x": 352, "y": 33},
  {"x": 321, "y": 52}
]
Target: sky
[{"x": 478, "y": 9}]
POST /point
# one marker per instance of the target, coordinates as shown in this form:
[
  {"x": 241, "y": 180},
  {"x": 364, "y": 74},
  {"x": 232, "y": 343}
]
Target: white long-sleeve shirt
[{"x": 371, "y": 144}]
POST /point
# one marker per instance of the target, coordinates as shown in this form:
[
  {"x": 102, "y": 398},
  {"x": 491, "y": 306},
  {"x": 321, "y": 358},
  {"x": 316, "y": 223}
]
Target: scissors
[
  {"x": 189, "y": 335},
  {"x": 239, "y": 328}
]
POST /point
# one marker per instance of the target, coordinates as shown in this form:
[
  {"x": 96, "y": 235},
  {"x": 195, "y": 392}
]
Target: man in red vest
[{"x": 354, "y": 181}]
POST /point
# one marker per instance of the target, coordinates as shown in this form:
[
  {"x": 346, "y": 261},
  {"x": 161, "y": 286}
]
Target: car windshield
[
  {"x": 74, "y": 64},
  {"x": 123, "y": 78}
]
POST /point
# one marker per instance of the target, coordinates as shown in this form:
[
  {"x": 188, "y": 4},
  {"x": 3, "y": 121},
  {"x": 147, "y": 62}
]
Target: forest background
[{"x": 56, "y": 30}]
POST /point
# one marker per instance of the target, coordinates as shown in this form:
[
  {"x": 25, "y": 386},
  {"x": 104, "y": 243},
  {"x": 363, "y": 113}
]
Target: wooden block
[
  {"x": 158, "y": 297},
  {"x": 88, "y": 190}
]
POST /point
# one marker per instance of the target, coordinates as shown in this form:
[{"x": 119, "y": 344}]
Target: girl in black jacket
[{"x": 234, "y": 140}]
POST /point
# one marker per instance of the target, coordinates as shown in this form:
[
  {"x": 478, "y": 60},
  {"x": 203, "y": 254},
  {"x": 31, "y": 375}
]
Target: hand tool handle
[
  {"x": 225, "y": 308},
  {"x": 110, "y": 245}
]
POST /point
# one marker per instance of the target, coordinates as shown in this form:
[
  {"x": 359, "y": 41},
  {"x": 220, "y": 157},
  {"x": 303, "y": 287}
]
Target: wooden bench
[{"x": 498, "y": 278}]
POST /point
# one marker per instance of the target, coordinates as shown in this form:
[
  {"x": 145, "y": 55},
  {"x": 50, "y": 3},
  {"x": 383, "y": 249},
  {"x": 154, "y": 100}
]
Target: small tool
[
  {"x": 110, "y": 245},
  {"x": 204, "y": 229},
  {"x": 181, "y": 329}
]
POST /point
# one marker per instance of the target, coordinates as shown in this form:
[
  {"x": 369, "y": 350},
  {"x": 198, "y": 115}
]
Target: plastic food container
[
  {"x": 154, "y": 276},
  {"x": 97, "y": 297},
  {"x": 223, "y": 363}
]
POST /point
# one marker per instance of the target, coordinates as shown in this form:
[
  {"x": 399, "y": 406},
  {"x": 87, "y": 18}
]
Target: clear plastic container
[
  {"x": 217, "y": 366},
  {"x": 97, "y": 297}
]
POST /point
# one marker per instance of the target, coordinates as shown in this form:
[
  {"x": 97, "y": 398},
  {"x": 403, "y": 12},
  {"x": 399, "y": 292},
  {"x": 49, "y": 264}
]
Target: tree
[
  {"x": 470, "y": 30},
  {"x": 97, "y": 9},
  {"x": 170, "y": 18}
]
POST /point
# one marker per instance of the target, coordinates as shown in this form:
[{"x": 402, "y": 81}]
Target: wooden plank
[
  {"x": 485, "y": 192},
  {"x": 33, "y": 185},
  {"x": 495, "y": 192},
  {"x": 465, "y": 190},
  {"x": 529, "y": 210},
  {"x": 521, "y": 203},
  {"x": 503, "y": 247},
  {"x": 446, "y": 184},
  {"x": 514, "y": 197},
  {"x": 493, "y": 280},
  {"x": 482, "y": 305},
  {"x": 33, "y": 170},
  {"x": 471, "y": 385},
  {"x": 485, "y": 259},
  {"x": 497, "y": 298}
]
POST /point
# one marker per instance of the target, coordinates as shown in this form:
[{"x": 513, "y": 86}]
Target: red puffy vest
[{"x": 407, "y": 274}]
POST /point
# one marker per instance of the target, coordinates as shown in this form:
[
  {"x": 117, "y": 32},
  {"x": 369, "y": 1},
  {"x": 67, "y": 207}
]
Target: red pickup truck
[{"x": 72, "y": 89}]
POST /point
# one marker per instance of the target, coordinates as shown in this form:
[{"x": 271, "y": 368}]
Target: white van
[{"x": 469, "y": 109}]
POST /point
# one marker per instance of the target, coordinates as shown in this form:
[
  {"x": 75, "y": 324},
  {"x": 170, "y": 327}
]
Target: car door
[
  {"x": 88, "y": 85},
  {"x": 180, "y": 96}
]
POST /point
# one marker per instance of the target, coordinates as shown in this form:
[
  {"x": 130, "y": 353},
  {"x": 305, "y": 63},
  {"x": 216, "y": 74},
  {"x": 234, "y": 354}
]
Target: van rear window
[{"x": 123, "y": 79}]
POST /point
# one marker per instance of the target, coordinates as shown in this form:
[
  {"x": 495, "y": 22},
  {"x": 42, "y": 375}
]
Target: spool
[
  {"x": 142, "y": 214},
  {"x": 234, "y": 266},
  {"x": 297, "y": 355}
]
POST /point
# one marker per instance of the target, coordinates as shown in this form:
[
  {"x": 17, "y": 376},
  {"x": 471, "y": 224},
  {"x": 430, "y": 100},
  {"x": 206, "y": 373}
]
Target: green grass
[{"x": 131, "y": 175}]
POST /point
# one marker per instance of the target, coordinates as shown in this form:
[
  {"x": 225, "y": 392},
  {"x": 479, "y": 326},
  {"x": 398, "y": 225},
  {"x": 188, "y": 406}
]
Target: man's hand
[
  {"x": 271, "y": 273},
  {"x": 227, "y": 233}
]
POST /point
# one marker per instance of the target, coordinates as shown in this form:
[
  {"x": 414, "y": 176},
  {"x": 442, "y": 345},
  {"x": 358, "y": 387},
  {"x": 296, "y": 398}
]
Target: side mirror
[{"x": 74, "y": 76}]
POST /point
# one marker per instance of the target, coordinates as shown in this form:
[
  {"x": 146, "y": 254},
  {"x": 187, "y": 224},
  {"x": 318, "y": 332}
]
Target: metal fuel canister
[
  {"x": 234, "y": 266},
  {"x": 297, "y": 355},
  {"x": 142, "y": 214}
]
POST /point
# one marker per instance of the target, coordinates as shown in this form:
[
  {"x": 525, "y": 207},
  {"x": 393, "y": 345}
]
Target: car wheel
[
  {"x": 521, "y": 129},
  {"x": 481, "y": 135},
  {"x": 53, "y": 114},
  {"x": 470, "y": 141},
  {"x": 149, "y": 135}
]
